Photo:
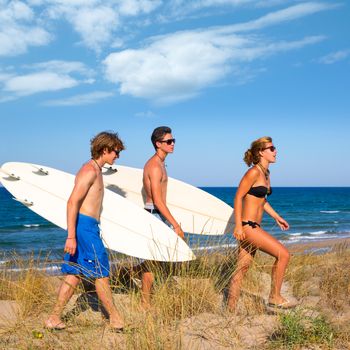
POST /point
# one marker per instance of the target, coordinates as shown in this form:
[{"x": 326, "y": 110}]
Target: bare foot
[
  {"x": 145, "y": 306},
  {"x": 276, "y": 299},
  {"x": 231, "y": 305},
  {"x": 54, "y": 323},
  {"x": 232, "y": 309},
  {"x": 116, "y": 323},
  {"x": 281, "y": 303}
]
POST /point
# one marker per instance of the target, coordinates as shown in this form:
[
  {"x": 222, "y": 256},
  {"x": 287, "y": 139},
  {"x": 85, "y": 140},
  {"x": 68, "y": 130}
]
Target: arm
[
  {"x": 283, "y": 224},
  {"x": 246, "y": 183},
  {"x": 83, "y": 182},
  {"x": 155, "y": 177}
]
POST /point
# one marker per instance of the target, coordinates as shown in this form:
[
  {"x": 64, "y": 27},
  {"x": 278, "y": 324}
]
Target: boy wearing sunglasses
[
  {"x": 155, "y": 180},
  {"x": 86, "y": 256}
]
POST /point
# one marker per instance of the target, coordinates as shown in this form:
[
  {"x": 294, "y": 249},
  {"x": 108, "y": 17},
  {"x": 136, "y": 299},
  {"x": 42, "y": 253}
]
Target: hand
[
  {"x": 283, "y": 224},
  {"x": 70, "y": 246},
  {"x": 238, "y": 233},
  {"x": 179, "y": 232}
]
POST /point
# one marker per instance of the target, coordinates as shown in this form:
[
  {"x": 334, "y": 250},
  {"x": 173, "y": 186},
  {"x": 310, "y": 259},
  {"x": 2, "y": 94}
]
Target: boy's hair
[
  {"x": 158, "y": 134},
  {"x": 103, "y": 140}
]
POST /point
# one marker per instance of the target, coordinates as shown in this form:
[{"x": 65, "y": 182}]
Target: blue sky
[{"x": 221, "y": 73}]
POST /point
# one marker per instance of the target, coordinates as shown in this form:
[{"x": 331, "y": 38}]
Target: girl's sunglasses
[{"x": 271, "y": 148}]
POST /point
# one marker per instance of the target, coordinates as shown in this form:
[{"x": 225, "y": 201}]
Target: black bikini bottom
[{"x": 253, "y": 224}]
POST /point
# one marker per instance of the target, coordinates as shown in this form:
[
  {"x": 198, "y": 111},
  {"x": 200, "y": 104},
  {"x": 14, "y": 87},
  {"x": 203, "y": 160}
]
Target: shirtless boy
[
  {"x": 85, "y": 255},
  {"x": 155, "y": 180}
]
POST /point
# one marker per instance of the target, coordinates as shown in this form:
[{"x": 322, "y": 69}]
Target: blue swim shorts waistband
[{"x": 87, "y": 219}]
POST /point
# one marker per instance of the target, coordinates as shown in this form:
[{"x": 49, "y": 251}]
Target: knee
[
  {"x": 284, "y": 256},
  {"x": 147, "y": 278},
  {"x": 243, "y": 268}
]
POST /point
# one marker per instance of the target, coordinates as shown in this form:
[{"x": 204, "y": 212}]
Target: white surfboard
[
  {"x": 198, "y": 211},
  {"x": 125, "y": 227}
]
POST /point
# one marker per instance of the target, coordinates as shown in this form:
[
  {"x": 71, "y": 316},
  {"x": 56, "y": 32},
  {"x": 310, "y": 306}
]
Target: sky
[{"x": 220, "y": 73}]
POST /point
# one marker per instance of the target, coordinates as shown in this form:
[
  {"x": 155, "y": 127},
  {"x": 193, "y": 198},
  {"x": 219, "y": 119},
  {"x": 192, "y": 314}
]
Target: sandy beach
[
  {"x": 188, "y": 311},
  {"x": 319, "y": 246}
]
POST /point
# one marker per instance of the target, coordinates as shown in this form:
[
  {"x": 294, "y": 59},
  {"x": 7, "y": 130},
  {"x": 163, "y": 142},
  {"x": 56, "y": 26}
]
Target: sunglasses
[
  {"x": 116, "y": 151},
  {"x": 271, "y": 148},
  {"x": 168, "y": 142}
]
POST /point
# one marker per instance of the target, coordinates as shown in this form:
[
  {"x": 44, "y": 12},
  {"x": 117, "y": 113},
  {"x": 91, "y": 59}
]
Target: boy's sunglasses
[
  {"x": 116, "y": 151},
  {"x": 271, "y": 148},
  {"x": 168, "y": 142}
]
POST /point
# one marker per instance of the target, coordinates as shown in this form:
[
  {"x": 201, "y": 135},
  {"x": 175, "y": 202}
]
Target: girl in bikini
[{"x": 249, "y": 205}]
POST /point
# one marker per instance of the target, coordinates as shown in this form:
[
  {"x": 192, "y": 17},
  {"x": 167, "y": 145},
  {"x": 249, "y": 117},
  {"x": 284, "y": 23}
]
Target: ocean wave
[
  {"x": 48, "y": 269},
  {"x": 305, "y": 234},
  {"x": 318, "y": 232},
  {"x": 329, "y": 211},
  {"x": 25, "y": 227},
  {"x": 307, "y": 238},
  {"x": 215, "y": 247}
]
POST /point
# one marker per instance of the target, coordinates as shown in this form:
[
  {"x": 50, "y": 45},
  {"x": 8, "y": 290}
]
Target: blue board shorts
[{"x": 90, "y": 258}]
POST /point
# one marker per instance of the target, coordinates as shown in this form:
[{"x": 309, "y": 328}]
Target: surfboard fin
[
  {"x": 40, "y": 171},
  {"x": 110, "y": 170},
  {"x": 10, "y": 175},
  {"x": 26, "y": 202}
]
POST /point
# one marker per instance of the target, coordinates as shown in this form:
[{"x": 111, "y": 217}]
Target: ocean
[{"x": 314, "y": 214}]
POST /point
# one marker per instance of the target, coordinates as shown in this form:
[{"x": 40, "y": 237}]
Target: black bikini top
[{"x": 260, "y": 191}]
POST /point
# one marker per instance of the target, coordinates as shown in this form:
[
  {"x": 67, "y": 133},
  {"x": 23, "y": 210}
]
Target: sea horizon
[{"x": 314, "y": 214}]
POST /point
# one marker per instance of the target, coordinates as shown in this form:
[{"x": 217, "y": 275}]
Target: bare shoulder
[
  {"x": 148, "y": 164},
  {"x": 152, "y": 165},
  {"x": 86, "y": 173},
  {"x": 252, "y": 173}
]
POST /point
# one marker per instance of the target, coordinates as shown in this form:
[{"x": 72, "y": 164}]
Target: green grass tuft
[{"x": 298, "y": 330}]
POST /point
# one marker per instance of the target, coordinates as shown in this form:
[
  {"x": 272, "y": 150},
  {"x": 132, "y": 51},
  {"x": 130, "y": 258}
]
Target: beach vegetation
[
  {"x": 188, "y": 306},
  {"x": 296, "y": 330}
]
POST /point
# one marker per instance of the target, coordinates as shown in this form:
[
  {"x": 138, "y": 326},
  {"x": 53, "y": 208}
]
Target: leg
[
  {"x": 270, "y": 245},
  {"x": 104, "y": 293},
  {"x": 65, "y": 293},
  {"x": 245, "y": 257},
  {"x": 146, "y": 286}
]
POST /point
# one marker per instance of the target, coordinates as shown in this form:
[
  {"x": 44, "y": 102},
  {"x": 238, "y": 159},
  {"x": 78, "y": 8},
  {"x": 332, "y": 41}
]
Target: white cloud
[
  {"x": 200, "y": 4},
  {"x": 95, "y": 25},
  {"x": 281, "y": 16},
  {"x": 187, "y": 6},
  {"x": 18, "y": 29},
  {"x": 63, "y": 67},
  {"x": 15, "y": 10},
  {"x": 148, "y": 114},
  {"x": 334, "y": 57},
  {"x": 82, "y": 99},
  {"x": 38, "y": 82},
  {"x": 47, "y": 76},
  {"x": 98, "y": 22},
  {"x": 171, "y": 68},
  {"x": 178, "y": 66},
  {"x": 104, "y": 23},
  {"x": 135, "y": 7}
]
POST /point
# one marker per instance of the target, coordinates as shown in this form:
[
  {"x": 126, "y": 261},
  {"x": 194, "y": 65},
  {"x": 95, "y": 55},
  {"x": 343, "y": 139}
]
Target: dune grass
[
  {"x": 188, "y": 306},
  {"x": 298, "y": 330}
]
